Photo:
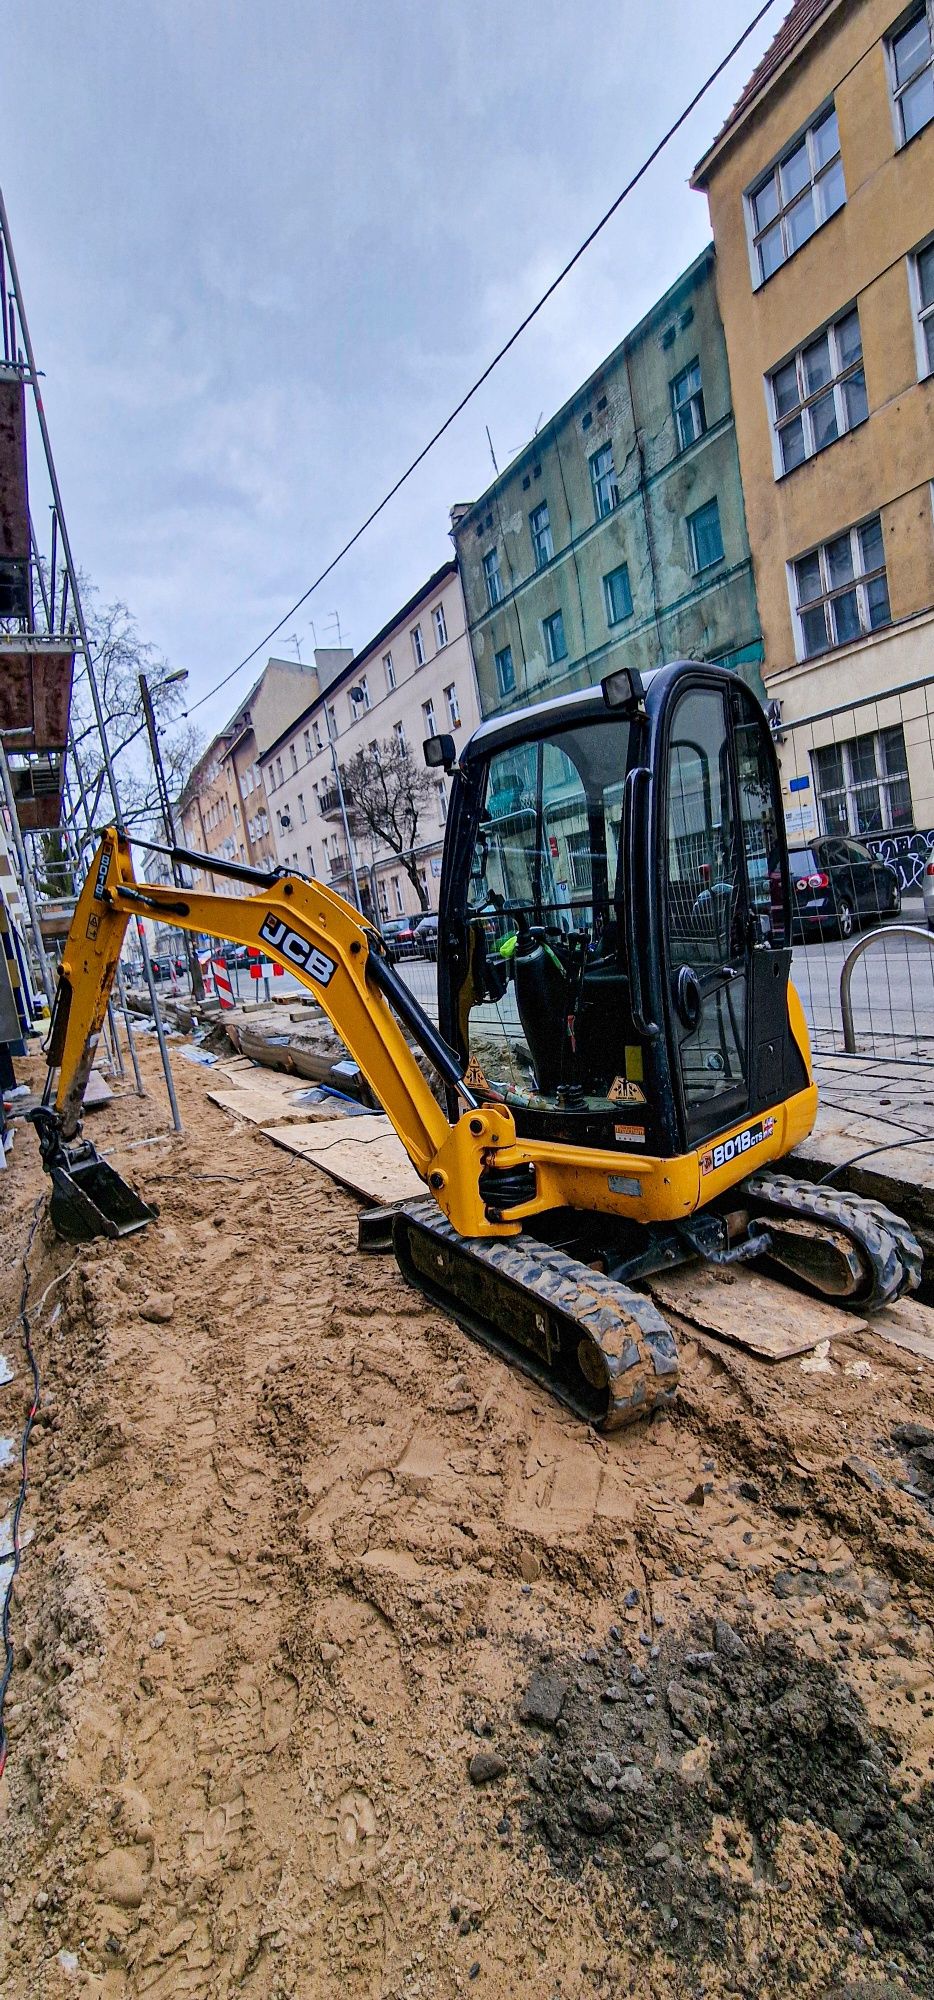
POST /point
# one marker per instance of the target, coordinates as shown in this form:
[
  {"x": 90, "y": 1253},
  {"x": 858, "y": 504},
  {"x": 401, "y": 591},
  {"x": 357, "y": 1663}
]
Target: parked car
[
  {"x": 167, "y": 968},
  {"x": 399, "y": 935},
  {"x": 236, "y": 954},
  {"x": 838, "y": 884},
  {"x": 426, "y": 935},
  {"x": 928, "y": 888}
]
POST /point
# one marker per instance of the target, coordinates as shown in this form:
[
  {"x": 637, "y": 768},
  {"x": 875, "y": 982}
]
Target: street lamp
[
  {"x": 165, "y": 806},
  {"x": 356, "y": 698}
]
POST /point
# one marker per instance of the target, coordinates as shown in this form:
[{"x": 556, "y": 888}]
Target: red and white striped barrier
[{"x": 222, "y": 986}]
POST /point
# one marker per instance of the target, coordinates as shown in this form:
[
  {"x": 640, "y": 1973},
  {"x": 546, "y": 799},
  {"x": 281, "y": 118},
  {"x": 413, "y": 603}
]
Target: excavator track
[
  {"x": 870, "y": 1255},
  {"x": 601, "y": 1349}
]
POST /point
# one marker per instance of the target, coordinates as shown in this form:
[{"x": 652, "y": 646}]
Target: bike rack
[{"x": 846, "y": 972}]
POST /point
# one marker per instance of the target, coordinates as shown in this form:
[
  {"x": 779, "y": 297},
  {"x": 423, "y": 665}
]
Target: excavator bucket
[{"x": 89, "y": 1198}]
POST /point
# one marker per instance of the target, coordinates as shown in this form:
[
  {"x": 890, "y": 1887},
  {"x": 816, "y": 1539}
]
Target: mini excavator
[{"x": 620, "y": 1059}]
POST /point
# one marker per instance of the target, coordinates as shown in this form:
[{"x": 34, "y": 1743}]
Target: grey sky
[{"x": 265, "y": 249}]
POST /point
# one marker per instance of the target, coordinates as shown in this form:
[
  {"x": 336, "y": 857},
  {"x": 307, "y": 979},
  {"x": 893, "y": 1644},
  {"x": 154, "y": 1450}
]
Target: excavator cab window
[{"x": 542, "y": 896}]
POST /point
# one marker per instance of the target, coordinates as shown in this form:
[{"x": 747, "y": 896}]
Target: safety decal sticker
[
  {"x": 726, "y": 1150},
  {"x": 629, "y": 1135},
  {"x": 623, "y": 1091},
  {"x": 474, "y": 1077},
  {"x": 298, "y": 950},
  {"x": 102, "y": 873},
  {"x": 94, "y": 924}
]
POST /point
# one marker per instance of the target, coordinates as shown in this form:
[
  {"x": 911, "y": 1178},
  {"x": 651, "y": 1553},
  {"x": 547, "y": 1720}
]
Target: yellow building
[{"x": 821, "y": 194}]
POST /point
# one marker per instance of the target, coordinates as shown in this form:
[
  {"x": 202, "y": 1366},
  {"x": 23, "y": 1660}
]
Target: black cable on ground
[
  {"x": 14, "y": 1556},
  {"x": 889, "y": 1146}
]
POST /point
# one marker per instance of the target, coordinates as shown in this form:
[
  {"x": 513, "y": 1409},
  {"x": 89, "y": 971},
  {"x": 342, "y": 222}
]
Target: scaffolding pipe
[
  {"x": 26, "y": 878},
  {"x": 72, "y": 575}
]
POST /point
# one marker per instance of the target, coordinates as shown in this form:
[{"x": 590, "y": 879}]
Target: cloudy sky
[{"x": 264, "y": 249}]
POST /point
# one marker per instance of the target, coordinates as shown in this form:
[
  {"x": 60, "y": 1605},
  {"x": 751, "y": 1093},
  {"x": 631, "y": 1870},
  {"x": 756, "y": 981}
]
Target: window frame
[
  {"x": 897, "y": 90},
  {"x": 858, "y": 582},
  {"x": 817, "y": 172},
  {"x": 543, "y": 547},
  {"x": 882, "y": 781},
  {"x": 454, "y": 711},
  {"x": 835, "y": 386},
  {"x": 622, "y": 569},
  {"x": 441, "y": 627},
  {"x": 552, "y": 626},
  {"x": 429, "y": 717},
  {"x": 492, "y": 577},
  {"x": 418, "y": 643},
  {"x": 389, "y": 669},
  {"x": 504, "y": 686},
  {"x": 922, "y": 315},
  {"x": 699, "y": 568},
  {"x": 597, "y": 479},
  {"x": 398, "y": 730},
  {"x": 687, "y": 403}
]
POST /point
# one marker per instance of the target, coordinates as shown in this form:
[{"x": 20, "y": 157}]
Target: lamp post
[
  {"x": 356, "y": 698},
  {"x": 165, "y": 807}
]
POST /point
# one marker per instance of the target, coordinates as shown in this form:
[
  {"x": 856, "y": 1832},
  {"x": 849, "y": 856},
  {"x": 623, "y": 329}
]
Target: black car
[
  {"x": 399, "y": 935},
  {"x": 426, "y": 935},
  {"x": 838, "y": 884}
]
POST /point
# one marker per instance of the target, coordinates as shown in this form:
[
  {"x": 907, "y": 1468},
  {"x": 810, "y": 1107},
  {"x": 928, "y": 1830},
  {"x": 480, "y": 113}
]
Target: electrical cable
[
  {"x": 15, "y": 1552},
  {"x": 890, "y": 1146},
  {"x": 500, "y": 355}
]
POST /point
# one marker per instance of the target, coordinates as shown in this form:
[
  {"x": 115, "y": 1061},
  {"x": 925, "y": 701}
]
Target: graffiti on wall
[{"x": 907, "y": 853}]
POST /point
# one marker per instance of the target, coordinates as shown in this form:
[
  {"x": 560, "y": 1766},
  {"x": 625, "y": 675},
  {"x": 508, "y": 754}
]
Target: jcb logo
[{"x": 297, "y": 949}]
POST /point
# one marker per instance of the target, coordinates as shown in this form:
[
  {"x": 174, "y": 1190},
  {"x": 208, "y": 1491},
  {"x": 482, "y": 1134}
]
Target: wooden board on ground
[
  {"x": 909, "y": 1325},
  {"x": 767, "y": 1318},
  {"x": 364, "y": 1154}
]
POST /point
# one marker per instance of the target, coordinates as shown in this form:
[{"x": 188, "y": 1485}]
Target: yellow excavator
[{"x": 620, "y": 1057}]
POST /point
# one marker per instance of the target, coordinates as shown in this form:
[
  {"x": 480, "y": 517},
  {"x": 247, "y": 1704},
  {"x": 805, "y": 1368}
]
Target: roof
[
  {"x": 438, "y": 577},
  {"x": 798, "y": 23}
]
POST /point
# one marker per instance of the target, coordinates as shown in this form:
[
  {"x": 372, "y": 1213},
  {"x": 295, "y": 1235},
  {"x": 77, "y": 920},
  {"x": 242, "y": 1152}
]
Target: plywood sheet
[
  {"x": 766, "y": 1318},
  {"x": 909, "y": 1325},
  {"x": 364, "y": 1154}
]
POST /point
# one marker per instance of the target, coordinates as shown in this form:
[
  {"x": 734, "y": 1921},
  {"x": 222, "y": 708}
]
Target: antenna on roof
[{"x": 492, "y": 452}]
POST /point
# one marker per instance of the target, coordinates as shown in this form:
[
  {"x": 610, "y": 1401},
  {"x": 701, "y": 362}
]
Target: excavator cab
[{"x": 615, "y": 916}]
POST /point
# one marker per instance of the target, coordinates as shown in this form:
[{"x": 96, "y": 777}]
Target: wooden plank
[
  {"x": 364, "y": 1154},
  {"x": 766, "y": 1318},
  {"x": 909, "y": 1325}
]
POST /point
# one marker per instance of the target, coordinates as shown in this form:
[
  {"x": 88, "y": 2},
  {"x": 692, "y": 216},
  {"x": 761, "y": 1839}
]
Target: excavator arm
[{"x": 331, "y": 949}]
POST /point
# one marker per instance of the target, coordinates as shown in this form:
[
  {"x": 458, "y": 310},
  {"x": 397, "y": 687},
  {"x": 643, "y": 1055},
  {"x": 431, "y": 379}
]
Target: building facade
[
  {"x": 415, "y": 679},
  {"x": 617, "y": 537},
  {"x": 821, "y": 195},
  {"x": 223, "y": 809}
]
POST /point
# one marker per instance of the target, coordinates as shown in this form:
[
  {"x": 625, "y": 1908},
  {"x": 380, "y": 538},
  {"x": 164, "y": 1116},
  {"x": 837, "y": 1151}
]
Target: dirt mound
[{"x": 696, "y": 1768}]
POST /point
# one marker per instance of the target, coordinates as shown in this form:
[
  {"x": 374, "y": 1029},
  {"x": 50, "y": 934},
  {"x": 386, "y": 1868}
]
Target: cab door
[{"x": 704, "y": 908}]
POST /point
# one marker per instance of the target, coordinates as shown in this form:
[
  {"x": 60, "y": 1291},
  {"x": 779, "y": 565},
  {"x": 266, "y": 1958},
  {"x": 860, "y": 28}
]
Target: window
[
  {"x": 454, "y": 714},
  {"x": 706, "y": 539},
  {"x": 418, "y": 645},
  {"x": 617, "y": 595},
  {"x": 687, "y": 402},
  {"x": 390, "y": 672},
  {"x": 311, "y": 859},
  {"x": 279, "y": 778},
  {"x": 331, "y": 714},
  {"x": 442, "y": 805},
  {"x": 306, "y": 740},
  {"x": 428, "y": 711},
  {"x": 911, "y": 68},
  {"x": 841, "y": 590},
  {"x": 316, "y": 732},
  {"x": 792, "y": 200},
  {"x": 603, "y": 481},
  {"x": 494, "y": 582},
  {"x": 505, "y": 671},
  {"x": 862, "y": 785},
  {"x": 293, "y": 753},
  {"x": 819, "y": 394},
  {"x": 543, "y": 547},
  {"x": 399, "y": 734},
  {"x": 922, "y": 281},
  {"x": 397, "y": 892},
  {"x": 555, "y": 642},
  {"x": 382, "y": 899},
  {"x": 303, "y": 816},
  {"x": 441, "y": 630}
]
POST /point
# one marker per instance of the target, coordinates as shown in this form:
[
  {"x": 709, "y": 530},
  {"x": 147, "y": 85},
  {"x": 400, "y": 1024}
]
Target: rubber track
[
  {"x": 631, "y": 1343},
  {"x": 883, "y": 1239}
]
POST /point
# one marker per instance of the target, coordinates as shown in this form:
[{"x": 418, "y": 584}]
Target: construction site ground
[{"x": 347, "y": 1663}]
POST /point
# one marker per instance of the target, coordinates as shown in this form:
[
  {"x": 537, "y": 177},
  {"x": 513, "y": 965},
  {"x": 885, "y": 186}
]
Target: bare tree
[
  {"x": 120, "y": 656},
  {"x": 386, "y": 793}
]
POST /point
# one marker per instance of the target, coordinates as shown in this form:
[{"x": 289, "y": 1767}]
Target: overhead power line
[{"x": 533, "y": 312}]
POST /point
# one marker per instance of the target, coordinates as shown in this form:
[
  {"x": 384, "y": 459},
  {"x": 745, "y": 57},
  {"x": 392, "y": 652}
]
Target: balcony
[{"x": 329, "y": 803}]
